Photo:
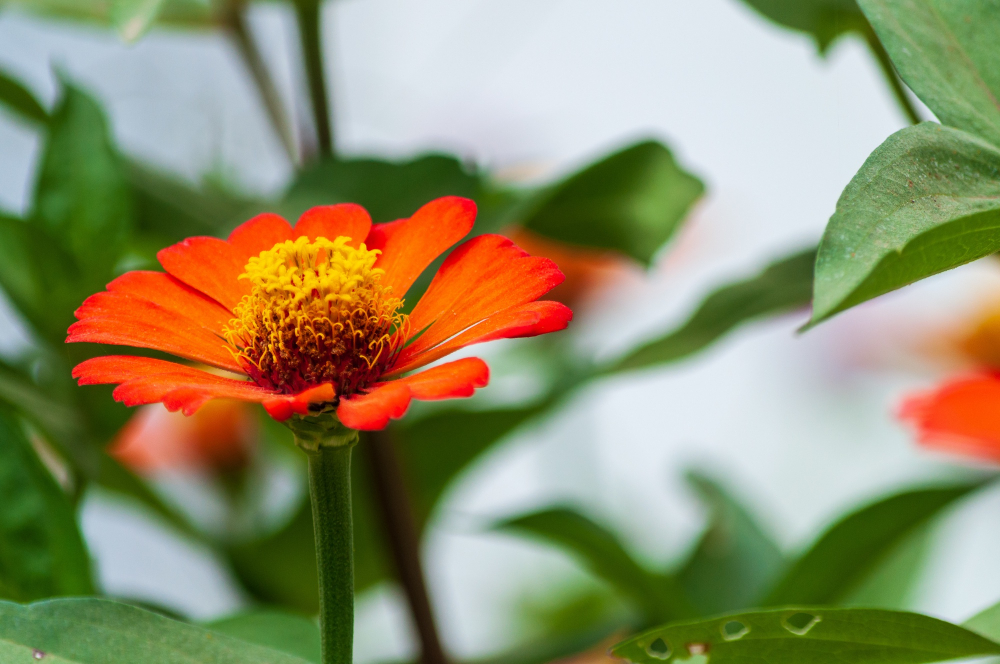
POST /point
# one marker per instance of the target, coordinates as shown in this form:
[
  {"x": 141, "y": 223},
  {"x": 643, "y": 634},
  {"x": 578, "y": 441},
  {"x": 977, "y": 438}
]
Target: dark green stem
[
  {"x": 330, "y": 492},
  {"x": 892, "y": 77},
  {"x": 309, "y": 14}
]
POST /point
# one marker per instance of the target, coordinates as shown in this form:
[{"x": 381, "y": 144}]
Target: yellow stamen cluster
[{"x": 317, "y": 313}]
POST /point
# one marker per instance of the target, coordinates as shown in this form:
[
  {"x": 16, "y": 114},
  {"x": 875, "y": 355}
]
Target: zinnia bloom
[
  {"x": 962, "y": 416},
  {"x": 308, "y": 319}
]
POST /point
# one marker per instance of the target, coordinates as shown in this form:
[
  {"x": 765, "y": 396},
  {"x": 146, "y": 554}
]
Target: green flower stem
[
  {"x": 330, "y": 493},
  {"x": 309, "y": 13}
]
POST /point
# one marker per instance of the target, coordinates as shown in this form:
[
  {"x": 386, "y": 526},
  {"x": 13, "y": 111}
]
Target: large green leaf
[
  {"x": 631, "y": 201},
  {"x": 16, "y": 97},
  {"x": 41, "y": 551},
  {"x": 852, "y": 549},
  {"x": 806, "y": 635},
  {"x": 947, "y": 53},
  {"x": 94, "y": 631},
  {"x": 784, "y": 286},
  {"x": 83, "y": 199},
  {"x": 823, "y": 20},
  {"x": 927, "y": 200},
  {"x": 658, "y": 596},
  {"x": 735, "y": 560},
  {"x": 287, "y": 632},
  {"x": 986, "y": 622}
]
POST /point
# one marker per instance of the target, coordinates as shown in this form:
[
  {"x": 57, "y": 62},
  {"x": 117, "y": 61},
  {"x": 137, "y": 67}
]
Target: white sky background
[{"x": 802, "y": 426}]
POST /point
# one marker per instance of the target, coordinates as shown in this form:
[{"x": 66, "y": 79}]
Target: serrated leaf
[
  {"x": 286, "y": 632},
  {"x": 19, "y": 99},
  {"x": 823, "y": 20},
  {"x": 947, "y": 53},
  {"x": 784, "y": 286},
  {"x": 846, "y": 554},
  {"x": 631, "y": 201},
  {"x": 735, "y": 560},
  {"x": 927, "y": 200},
  {"x": 95, "y": 631},
  {"x": 813, "y": 635},
  {"x": 658, "y": 596},
  {"x": 42, "y": 553}
]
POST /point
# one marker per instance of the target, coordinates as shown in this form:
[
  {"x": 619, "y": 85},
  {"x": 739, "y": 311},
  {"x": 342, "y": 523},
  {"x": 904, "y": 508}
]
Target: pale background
[{"x": 801, "y": 425}]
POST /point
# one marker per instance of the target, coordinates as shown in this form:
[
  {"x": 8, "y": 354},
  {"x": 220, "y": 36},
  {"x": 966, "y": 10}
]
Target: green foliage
[
  {"x": 986, "y": 622},
  {"x": 656, "y": 595},
  {"x": 285, "y": 632},
  {"x": 129, "y": 17},
  {"x": 947, "y": 53},
  {"x": 41, "y": 551},
  {"x": 823, "y": 20},
  {"x": 813, "y": 635},
  {"x": 735, "y": 561},
  {"x": 631, "y": 201},
  {"x": 17, "y": 98},
  {"x": 927, "y": 200},
  {"x": 852, "y": 549},
  {"x": 94, "y": 631},
  {"x": 132, "y": 18},
  {"x": 783, "y": 286}
]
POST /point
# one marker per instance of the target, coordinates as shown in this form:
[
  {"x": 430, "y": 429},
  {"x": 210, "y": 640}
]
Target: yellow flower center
[{"x": 317, "y": 313}]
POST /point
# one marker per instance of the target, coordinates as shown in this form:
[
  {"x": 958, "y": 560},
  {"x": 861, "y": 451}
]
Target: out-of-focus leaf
[
  {"x": 813, "y": 635},
  {"x": 132, "y": 18},
  {"x": 784, "y": 286},
  {"x": 823, "y": 20},
  {"x": 894, "y": 581},
  {"x": 986, "y": 622},
  {"x": 947, "y": 53},
  {"x": 927, "y": 200},
  {"x": 185, "y": 13},
  {"x": 17, "y": 98},
  {"x": 41, "y": 551},
  {"x": 83, "y": 199},
  {"x": 95, "y": 631},
  {"x": 631, "y": 201},
  {"x": 656, "y": 595},
  {"x": 853, "y": 548},
  {"x": 735, "y": 561},
  {"x": 285, "y": 632}
]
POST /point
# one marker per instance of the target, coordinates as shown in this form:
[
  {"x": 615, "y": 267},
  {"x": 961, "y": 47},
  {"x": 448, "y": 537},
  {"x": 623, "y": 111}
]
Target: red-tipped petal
[
  {"x": 283, "y": 407},
  {"x": 410, "y": 245},
  {"x": 210, "y": 265},
  {"x": 526, "y": 320},
  {"x": 333, "y": 221},
  {"x": 259, "y": 234},
  {"x": 961, "y": 416},
  {"x": 167, "y": 292},
  {"x": 372, "y": 411}
]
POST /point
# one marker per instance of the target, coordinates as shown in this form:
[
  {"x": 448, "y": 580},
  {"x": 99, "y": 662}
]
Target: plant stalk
[
  {"x": 400, "y": 526},
  {"x": 892, "y": 77},
  {"x": 330, "y": 493},
  {"x": 309, "y": 14}
]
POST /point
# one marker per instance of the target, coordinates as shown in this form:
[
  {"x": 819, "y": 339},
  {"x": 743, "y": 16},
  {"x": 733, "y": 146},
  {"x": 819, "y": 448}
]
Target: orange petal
[
  {"x": 172, "y": 295},
  {"x": 526, "y": 320},
  {"x": 371, "y": 411},
  {"x": 409, "y": 245},
  {"x": 259, "y": 234},
  {"x": 210, "y": 265},
  {"x": 283, "y": 407},
  {"x": 144, "y": 380},
  {"x": 121, "y": 319},
  {"x": 333, "y": 221},
  {"x": 961, "y": 416},
  {"x": 486, "y": 275}
]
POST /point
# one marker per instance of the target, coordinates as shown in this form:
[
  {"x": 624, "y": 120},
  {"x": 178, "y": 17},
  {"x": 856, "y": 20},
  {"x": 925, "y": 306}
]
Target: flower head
[{"x": 310, "y": 318}]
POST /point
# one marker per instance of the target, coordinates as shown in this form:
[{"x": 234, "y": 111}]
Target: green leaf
[
  {"x": 656, "y": 595},
  {"x": 95, "y": 631},
  {"x": 927, "y": 200},
  {"x": 41, "y": 551},
  {"x": 784, "y": 286},
  {"x": 823, "y": 20},
  {"x": 800, "y": 635},
  {"x": 735, "y": 561},
  {"x": 852, "y": 549},
  {"x": 286, "y": 632},
  {"x": 631, "y": 201},
  {"x": 184, "y": 13},
  {"x": 15, "y": 96},
  {"x": 132, "y": 18},
  {"x": 947, "y": 53},
  {"x": 83, "y": 199},
  {"x": 986, "y": 622}
]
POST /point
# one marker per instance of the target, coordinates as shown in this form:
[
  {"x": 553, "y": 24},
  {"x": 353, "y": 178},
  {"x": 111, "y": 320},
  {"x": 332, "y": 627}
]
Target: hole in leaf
[
  {"x": 659, "y": 649},
  {"x": 698, "y": 648},
  {"x": 800, "y": 623},
  {"x": 37, "y": 654},
  {"x": 734, "y": 630}
]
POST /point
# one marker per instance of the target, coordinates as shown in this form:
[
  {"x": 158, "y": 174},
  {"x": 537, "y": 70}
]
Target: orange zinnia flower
[
  {"x": 311, "y": 315},
  {"x": 961, "y": 416}
]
